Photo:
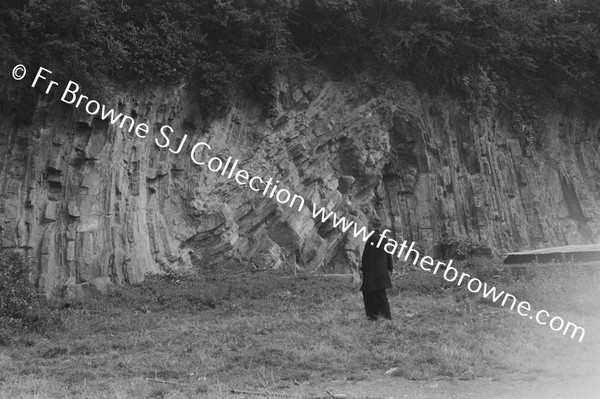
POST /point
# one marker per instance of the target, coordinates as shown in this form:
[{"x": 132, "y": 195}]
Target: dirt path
[{"x": 502, "y": 388}]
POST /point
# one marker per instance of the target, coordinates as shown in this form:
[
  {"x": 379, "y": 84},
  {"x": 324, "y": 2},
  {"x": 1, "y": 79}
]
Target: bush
[
  {"x": 521, "y": 55},
  {"x": 21, "y": 306},
  {"x": 460, "y": 247}
]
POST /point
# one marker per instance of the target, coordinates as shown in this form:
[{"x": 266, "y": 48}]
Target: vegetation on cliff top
[{"x": 519, "y": 54}]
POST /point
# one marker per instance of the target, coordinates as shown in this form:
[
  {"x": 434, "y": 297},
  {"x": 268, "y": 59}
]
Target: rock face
[{"x": 93, "y": 204}]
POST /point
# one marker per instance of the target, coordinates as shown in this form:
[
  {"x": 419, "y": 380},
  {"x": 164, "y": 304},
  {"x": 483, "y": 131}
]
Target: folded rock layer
[{"x": 94, "y": 205}]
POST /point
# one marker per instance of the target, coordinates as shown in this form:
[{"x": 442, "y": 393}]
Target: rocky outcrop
[{"x": 94, "y": 204}]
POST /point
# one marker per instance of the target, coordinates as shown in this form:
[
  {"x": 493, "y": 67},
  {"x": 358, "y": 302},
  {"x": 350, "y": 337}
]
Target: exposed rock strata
[{"x": 92, "y": 203}]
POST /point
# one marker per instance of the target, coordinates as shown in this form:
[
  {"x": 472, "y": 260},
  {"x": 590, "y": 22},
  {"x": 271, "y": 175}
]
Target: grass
[{"x": 256, "y": 331}]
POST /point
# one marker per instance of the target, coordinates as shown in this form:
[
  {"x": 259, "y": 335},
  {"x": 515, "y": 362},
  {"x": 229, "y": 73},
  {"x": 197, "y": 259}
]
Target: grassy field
[{"x": 202, "y": 336}]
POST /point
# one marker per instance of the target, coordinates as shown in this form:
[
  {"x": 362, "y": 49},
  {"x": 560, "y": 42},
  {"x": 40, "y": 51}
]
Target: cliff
[{"x": 95, "y": 205}]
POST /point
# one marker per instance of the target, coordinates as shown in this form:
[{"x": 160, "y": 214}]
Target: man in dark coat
[{"x": 376, "y": 268}]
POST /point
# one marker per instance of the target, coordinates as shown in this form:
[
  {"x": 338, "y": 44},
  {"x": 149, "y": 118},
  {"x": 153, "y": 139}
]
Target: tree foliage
[{"x": 489, "y": 53}]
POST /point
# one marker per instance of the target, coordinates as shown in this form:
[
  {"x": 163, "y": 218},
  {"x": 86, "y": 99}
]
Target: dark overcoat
[{"x": 376, "y": 265}]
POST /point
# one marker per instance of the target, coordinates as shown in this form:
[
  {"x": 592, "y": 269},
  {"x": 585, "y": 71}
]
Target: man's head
[{"x": 376, "y": 223}]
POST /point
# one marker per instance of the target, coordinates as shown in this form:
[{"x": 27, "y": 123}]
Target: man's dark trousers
[{"x": 376, "y": 304}]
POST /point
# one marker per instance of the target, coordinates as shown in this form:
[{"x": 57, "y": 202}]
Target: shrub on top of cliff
[
  {"x": 486, "y": 52},
  {"x": 247, "y": 43},
  {"x": 221, "y": 46},
  {"x": 21, "y": 306}
]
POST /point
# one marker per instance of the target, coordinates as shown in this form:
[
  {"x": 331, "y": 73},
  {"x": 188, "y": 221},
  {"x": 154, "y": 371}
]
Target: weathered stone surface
[
  {"x": 73, "y": 209},
  {"x": 98, "y": 205},
  {"x": 346, "y": 183},
  {"x": 50, "y": 214},
  {"x": 96, "y": 287}
]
